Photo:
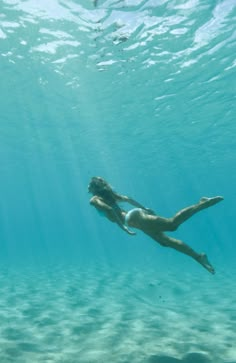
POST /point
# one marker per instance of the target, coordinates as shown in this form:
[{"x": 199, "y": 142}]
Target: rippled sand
[{"x": 102, "y": 315}]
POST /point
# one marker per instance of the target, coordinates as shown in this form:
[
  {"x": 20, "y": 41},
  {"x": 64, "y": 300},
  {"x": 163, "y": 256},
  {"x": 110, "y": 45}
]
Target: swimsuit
[{"x": 130, "y": 213}]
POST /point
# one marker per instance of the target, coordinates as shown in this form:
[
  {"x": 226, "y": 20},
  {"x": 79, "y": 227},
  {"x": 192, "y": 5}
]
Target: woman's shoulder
[{"x": 95, "y": 199}]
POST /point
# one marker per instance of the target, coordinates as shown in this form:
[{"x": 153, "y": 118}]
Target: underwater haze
[{"x": 142, "y": 93}]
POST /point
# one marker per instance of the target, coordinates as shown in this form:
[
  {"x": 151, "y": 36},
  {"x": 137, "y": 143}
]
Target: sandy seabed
[{"x": 107, "y": 315}]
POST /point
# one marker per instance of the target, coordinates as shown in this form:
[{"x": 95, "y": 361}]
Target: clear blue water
[{"x": 142, "y": 93}]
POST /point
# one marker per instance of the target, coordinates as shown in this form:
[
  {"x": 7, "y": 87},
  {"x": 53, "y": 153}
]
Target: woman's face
[
  {"x": 91, "y": 188},
  {"x": 96, "y": 185}
]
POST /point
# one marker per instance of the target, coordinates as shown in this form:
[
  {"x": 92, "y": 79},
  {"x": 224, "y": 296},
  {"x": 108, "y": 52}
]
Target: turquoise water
[{"x": 141, "y": 93}]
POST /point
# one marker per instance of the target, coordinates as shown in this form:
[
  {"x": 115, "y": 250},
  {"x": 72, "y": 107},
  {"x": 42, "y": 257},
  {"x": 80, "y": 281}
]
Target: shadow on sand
[{"x": 189, "y": 358}]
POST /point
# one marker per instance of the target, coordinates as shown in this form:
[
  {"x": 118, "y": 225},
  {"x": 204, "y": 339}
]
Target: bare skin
[
  {"x": 114, "y": 215},
  {"x": 154, "y": 226}
]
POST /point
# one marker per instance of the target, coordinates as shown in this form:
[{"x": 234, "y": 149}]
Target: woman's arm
[{"x": 110, "y": 212}]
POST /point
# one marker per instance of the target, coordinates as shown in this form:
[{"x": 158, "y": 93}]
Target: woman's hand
[{"x": 129, "y": 232}]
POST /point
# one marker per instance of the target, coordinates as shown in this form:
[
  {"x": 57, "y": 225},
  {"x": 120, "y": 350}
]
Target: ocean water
[{"x": 142, "y": 93}]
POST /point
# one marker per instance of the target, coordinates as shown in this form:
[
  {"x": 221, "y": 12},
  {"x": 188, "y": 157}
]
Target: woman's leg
[
  {"x": 188, "y": 212},
  {"x": 180, "y": 246}
]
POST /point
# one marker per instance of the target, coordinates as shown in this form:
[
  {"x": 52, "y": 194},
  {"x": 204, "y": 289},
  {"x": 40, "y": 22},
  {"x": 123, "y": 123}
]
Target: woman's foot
[
  {"x": 208, "y": 202},
  {"x": 203, "y": 260}
]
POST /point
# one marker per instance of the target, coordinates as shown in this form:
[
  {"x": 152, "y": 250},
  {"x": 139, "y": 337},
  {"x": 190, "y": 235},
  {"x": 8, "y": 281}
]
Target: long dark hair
[{"x": 98, "y": 186}]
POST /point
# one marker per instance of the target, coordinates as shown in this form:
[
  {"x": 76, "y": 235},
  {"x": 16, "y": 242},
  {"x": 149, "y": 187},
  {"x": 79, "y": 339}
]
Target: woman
[{"x": 106, "y": 200}]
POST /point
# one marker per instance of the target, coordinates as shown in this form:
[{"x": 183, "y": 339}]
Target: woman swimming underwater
[{"x": 106, "y": 200}]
